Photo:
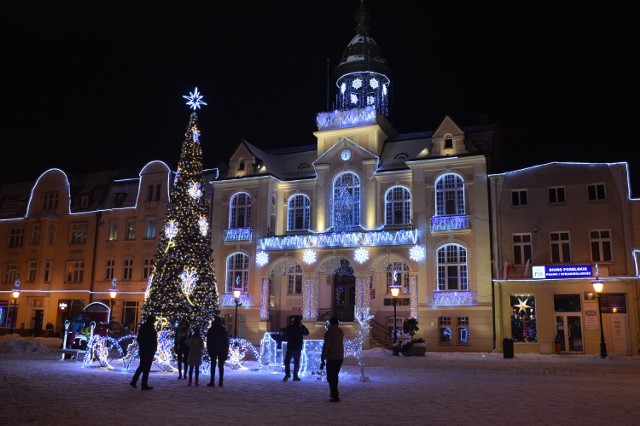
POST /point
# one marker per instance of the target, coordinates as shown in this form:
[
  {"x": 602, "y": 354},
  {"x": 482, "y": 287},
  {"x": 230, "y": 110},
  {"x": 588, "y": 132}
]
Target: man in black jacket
[
  {"x": 147, "y": 346},
  {"x": 294, "y": 333}
]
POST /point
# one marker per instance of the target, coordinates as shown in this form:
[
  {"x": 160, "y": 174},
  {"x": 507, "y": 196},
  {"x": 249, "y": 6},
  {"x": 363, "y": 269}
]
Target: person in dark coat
[
  {"x": 181, "y": 348},
  {"x": 333, "y": 355},
  {"x": 147, "y": 345},
  {"x": 196, "y": 347},
  {"x": 218, "y": 348},
  {"x": 294, "y": 333}
]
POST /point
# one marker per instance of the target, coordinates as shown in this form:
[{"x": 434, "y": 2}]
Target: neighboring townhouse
[{"x": 557, "y": 228}]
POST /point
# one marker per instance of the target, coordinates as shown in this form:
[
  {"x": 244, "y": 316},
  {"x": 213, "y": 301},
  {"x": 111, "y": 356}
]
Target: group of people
[{"x": 189, "y": 346}]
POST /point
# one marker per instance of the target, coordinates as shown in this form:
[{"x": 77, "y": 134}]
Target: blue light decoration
[
  {"x": 361, "y": 255},
  {"x": 265, "y": 299},
  {"x": 238, "y": 349},
  {"x": 309, "y": 256},
  {"x": 148, "y": 289},
  {"x": 450, "y": 223},
  {"x": 453, "y": 298},
  {"x": 188, "y": 278},
  {"x": 238, "y": 234},
  {"x": 339, "y": 119},
  {"x": 195, "y": 99},
  {"x": 417, "y": 253},
  {"x": 195, "y": 191},
  {"x": 340, "y": 239},
  {"x": 262, "y": 258},
  {"x": 170, "y": 231}
]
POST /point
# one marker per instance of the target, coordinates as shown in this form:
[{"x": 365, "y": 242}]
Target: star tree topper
[{"x": 195, "y": 99}]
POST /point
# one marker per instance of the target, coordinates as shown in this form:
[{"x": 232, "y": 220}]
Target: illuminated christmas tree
[{"x": 183, "y": 284}]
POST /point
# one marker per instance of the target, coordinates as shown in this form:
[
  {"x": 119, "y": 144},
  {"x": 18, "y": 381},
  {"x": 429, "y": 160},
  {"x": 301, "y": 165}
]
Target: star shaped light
[
  {"x": 262, "y": 258},
  {"x": 195, "y": 99},
  {"x": 522, "y": 305}
]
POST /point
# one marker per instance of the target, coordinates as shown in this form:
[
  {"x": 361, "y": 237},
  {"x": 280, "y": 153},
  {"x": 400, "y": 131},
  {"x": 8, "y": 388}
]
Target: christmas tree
[{"x": 183, "y": 284}]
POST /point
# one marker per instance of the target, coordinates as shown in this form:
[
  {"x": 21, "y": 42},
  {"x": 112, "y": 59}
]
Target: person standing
[
  {"x": 181, "y": 348},
  {"x": 147, "y": 345},
  {"x": 218, "y": 348},
  {"x": 196, "y": 345},
  {"x": 333, "y": 355},
  {"x": 294, "y": 333}
]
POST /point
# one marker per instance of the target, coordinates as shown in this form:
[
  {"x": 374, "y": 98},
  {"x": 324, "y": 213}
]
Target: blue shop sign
[{"x": 561, "y": 271}]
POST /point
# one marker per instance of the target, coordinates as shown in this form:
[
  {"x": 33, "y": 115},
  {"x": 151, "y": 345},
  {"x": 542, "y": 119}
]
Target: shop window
[{"x": 446, "y": 334}]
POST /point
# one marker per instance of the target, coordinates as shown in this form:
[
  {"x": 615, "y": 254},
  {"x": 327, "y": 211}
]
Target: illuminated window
[
  {"x": 445, "y": 335},
  {"x": 237, "y": 272},
  {"x": 75, "y": 272},
  {"x": 521, "y": 248},
  {"x": 398, "y": 206},
  {"x": 523, "y": 318},
  {"x": 299, "y": 213},
  {"x": 294, "y": 278},
  {"x": 463, "y": 331},
  {"x": 560, "y": 247},
  {"x": 150, "y": 228},
  {"x": 601, "y": 245},
  {"x": 519, "y": 197},
  {"x": 398, "y": 274},
  {"x": 452, "y": 267},
  {"x": 346, "y": 201},
  {"x": 78, "y": 232},
  {"x": 113, "y": 230},
  {"x": 450, "y": 195},
  {"x": 240, "y": 211},
  {"x": 130, "y": 231}
]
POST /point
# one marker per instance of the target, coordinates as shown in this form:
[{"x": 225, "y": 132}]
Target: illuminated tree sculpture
[{"x": 183, "y": 284}]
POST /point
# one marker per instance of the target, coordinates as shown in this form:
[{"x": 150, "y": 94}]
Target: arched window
[
  {"x": 299, "y": 213},
  {"x": 237, "y": 272},
  {"x": 398, "y": 274},
  {"x": 450, "y": 195},
  {"x": 240, "y": 211},
  {"x": 452, "y": 267},
  {"x": 398, "y": 206},
  {"x": 346, "y": 201}
]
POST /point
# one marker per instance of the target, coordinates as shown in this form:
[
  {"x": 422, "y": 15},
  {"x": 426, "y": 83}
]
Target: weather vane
[{"x": 195, "y": 99}]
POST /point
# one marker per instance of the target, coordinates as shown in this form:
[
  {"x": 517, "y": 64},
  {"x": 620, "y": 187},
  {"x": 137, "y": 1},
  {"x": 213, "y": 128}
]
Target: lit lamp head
[
  {"x": 16, "y": 294},
  {"x": 236, "y": 293},
  {"x": 395, "y": 290},
  {"x": 598, "y": 285},
  {"x": 113, "y": 293}
]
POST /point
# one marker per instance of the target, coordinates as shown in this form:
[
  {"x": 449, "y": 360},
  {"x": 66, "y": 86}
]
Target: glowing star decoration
[
  {"x": 262, "y": 258},
  {"x": 522, "y": 305},
  {"x": 195, "y": 191},
  {"x": 357, "y": 83},
  {"x": 374, "y": 83},
  {"x": 309, "y": 256},
  {"x": 203, "y": 225},
  {"x": 354, "y": 99},
  {"x": 362, "y": 255},
  {"x": 195, "y": 99},
  {"x": 416, "y": 253},
  {"x": 371, "y": 100},
  {"x": 188, "y": 278}
]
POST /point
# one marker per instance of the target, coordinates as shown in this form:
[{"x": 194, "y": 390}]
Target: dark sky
[{"x": 98, "y": 85}]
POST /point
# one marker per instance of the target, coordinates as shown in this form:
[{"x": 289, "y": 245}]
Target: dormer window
[
  {"x": 241, "y": 165},
  {"x": 448, "y": 142}
]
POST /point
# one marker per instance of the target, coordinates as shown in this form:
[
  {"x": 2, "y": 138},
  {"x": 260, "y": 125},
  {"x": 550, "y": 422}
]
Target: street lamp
[
  {"x": 113, "y": 292},
  {"x": 14, "y": 311},
  {"x": 598, "y": 286},
  {"x": 395, "y": 292},
  {"x": 236, "y": 298}
]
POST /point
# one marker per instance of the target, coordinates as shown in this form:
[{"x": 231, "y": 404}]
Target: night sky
[{"x": 98, "y": 85}]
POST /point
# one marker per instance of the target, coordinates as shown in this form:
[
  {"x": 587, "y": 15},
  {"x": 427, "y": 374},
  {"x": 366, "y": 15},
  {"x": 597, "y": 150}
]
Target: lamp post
[
  {"x": 395, "y": 292},
  {"x": 112, "y": 293},
  {"x": 14, "y": 311},
  {"x": 598, "y": 286},
  {"x": 236, "y": 299}
]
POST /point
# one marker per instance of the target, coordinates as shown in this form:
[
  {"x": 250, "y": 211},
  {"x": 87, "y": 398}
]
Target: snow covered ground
[{"x": 437, "y": 389}]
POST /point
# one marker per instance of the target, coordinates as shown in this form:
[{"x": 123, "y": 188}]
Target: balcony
[
  {"x": 340, "y": 239},
  {"x": 450, "y": 223},
  {"x": 454, "y": 298},
  {"x": 238, "y": 234}
]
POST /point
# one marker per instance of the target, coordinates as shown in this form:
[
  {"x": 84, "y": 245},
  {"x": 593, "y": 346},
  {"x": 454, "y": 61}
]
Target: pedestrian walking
[
  {"x": 333, "y": 355},
  {"x": 218, "y": 348},
  {"x": 180, "y": 347},
  {"x": 294, "y": 333},
  {"x": 196, "y": 346},
  {"x": 147, "y": 345}
]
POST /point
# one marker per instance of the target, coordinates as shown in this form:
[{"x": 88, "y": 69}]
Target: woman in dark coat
[
  {"x": 147, "y": 346},
  {"x": 218, "y": 348},
  {"x": 181, "y": 348}
]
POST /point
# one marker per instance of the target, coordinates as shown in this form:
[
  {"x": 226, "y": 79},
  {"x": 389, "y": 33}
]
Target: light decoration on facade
[
  {"x": 413, "y": 296},
  {"x": 310, "y": 299},
  {"x": 227, "y": 299},
  {"x": 371, "y": 100},
  {"x": 188, "y": 278},
  {"x": 262, "y": 258},
  {"x": 309, "y": 256},
  {"x": 265, "y": 300},
  {"x": 238, "y": 234},
  {"x": 340, "y": 239},
  {"x": 417, "y": 253},
  {"x": 343, "y": 88},
  {"x": 195, "y": 191},
  {"x": 195, "y": 99},
  {"x": 357, "y": 83},
  {"x": 453, "y": 298},
  {"x": 450, "y": 223},
  {"x": 361, "y": 255},
  {"x": 374, "y": 83},
  {"x": 346, "y": 118},
  {"x": 354, "y": 99},
  {"x": 203, "y": 224}
]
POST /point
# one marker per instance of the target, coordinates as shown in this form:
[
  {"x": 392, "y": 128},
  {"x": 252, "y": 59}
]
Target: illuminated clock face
[{"x": 345, "y": 155}]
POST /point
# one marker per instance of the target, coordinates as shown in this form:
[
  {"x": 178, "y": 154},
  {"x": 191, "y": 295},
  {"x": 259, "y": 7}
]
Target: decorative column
[
  {"x": 265, "y": 299},
  {"x": 413, "y": 296},
  {"x": 363, "y": 298},
  {"x": 310, "y": 298}
]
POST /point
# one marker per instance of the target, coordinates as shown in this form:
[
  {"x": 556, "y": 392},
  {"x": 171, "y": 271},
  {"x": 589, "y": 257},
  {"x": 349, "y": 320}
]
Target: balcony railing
[
  {"x": 450, "y": 223},
  {"x": 238, "y": 234},
  {"x": 340, "y": 239},
  {"x": 454, "y": 298}
]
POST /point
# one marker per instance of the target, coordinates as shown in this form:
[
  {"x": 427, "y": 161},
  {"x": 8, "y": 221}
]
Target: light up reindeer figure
[{"x": 353, "y": 347}]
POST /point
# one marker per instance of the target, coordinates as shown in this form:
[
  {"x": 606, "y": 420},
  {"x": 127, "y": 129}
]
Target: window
[
  {"x": 36, "y": 231},
  {"x": 452, "y": 267},
  {"x": 445, "y": 334},
  {"x": 32, "y": 272},
  {"x": 521, "y": 248},
  {"x": 596, "y": 192},
  {"x": 240, "y": 211},
  {"x": 75, "y": 271},
  {"x": 130, "y": 231},
  {"x": 22, "y": 208},
  {"x": 53, "y": 232},
  {"x": 46, "y": 276},
  {"x": 601, "y": 245},
  {"x": 299, "y": 214},
  {"x": 237, "y": 272},
  {"x": 398, "y": 274},
  {"x": 294, "y": 278},
  {"x": 147, "y": 267},
  {"x": 398, "y": 206},
  {"x": 346, "y": 202},
  {"x": 523, "y": 318},
  {"x": 450, "y": 195},
  {"x": 560, "y": 247},
  {"x": 150, "y": 228},
  {"x": 16, "y": 237},
  {"x": 78, "y": 232},
  {"x": 463, "y": 331},
  {"x": 448, "y": 142},
  {"x": 150, "y": 192},
  {"x": 113, "y": 230},
  {"x": 11, "y": 273},
  {"x": 519, "y": 197},
  {"x": 109, "y": 269},
  {"x": 127, "y": 269},
  {"x": 50, "y": 200},
  {"x": 556, "y": 195}
]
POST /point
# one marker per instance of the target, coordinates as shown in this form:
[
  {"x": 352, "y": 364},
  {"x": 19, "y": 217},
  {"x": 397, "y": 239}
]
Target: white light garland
[
  {"x": 309, "y": 257},
  {"x": 362, "y": 255},
  {"x": 262, "y": 258}
]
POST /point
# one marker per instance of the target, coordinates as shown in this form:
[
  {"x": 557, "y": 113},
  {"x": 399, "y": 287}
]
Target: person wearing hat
[
  {"x": 147, "y": 345},
  {"x": 294, "y": 333},
  {"x": 333, "y": 355}
]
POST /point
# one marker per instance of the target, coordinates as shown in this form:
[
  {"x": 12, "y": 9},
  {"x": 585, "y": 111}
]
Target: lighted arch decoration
[
  {"x": 379, "y": 266},
  {"x": 279, "y": 268}
]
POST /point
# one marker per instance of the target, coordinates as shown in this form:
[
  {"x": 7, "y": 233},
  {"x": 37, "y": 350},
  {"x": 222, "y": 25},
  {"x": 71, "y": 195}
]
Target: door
[
  {"x": 37, "y": 322},
  {"x": 569, "y": 333},
  {"x": 344, "y": 297}
]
